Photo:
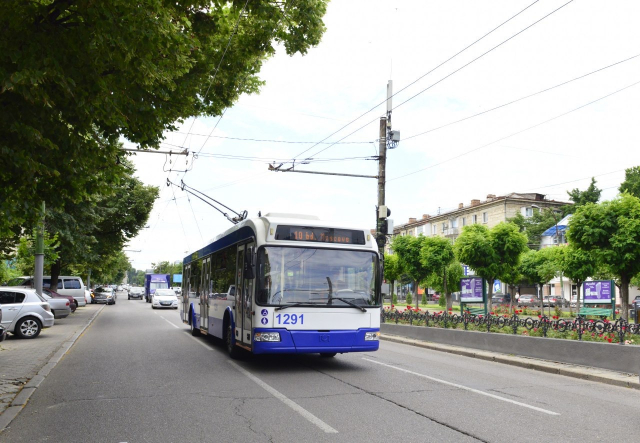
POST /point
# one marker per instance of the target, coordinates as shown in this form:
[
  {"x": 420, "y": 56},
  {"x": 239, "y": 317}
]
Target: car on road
[
  {"x": 105, "y": 295},
  {"x": 24, "y": 312},
  {"x": 552, "y": 301},
  {"x": 67, "y": 285},
  {"x": 528, "y": 300},
  {"x": 73, "y": 303},
  {"x": 60, "y": 307},
  {"x": 164, "y": 298},
  {"x": 136, "y": 292},
  {"x": 501, "y": 299}
]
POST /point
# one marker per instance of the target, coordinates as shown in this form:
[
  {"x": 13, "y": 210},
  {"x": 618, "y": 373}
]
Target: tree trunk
[
  {"x": 579, "y": 284},
  {"x": 624, "y": 297},
  {"x": 490, "y": 295},
  {"x": 540, "y": 285},
  {"x": 55, "y": 273},
  {"x": 446, "y": 290}
]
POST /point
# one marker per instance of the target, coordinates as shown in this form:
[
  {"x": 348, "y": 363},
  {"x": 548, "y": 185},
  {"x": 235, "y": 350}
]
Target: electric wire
[
  {"x": 269, "y": 140},
  {"x": 410, "y": 84},
  {"x": 180, "y": 218},
  {"x": 235, "y": 29},
  {"x": 522, "y": 98},
  {"x": 513, "y": 134},
  {"x": 448, "y": 75}
]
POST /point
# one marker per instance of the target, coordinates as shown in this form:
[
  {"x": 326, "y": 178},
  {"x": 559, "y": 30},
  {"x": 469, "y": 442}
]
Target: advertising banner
[
  {"x": 598, "y": 291},
  {"x": 471, "y": 290}
]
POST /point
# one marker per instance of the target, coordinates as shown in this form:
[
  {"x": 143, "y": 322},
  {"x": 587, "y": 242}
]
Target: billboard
[
  {"x": 471, "y": 290},
  {"x": 600, "y": 291},
  {"x": 177, "y": 278}
]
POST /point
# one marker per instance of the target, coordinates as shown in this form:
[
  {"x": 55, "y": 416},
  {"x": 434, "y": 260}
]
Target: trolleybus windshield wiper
[{"x": 350, "y": 303}]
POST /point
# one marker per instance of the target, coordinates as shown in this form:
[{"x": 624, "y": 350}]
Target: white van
[{"x": 67, "y": 285}]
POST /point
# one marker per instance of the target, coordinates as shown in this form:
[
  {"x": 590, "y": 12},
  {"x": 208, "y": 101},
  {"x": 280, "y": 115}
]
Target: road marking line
[
  {"x": 293, "y": 405},
  {"x": 168, "y": 322},
  {"x": 455, "y": 385}
]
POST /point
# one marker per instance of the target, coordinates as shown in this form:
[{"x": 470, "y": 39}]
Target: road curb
[
  {"x": 568, "y": 370},
  {"x": 21, "y": 399}
]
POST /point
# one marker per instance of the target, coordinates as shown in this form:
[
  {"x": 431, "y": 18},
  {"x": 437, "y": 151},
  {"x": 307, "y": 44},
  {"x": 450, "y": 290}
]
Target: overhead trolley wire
[
  {"x": 521, "y": 98},
  {"x": 450, "y": 74},
  {"x": 410, "y": 84},
  {"x": 514, "y": 134}
]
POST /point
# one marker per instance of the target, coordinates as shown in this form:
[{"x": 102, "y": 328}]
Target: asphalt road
[{"x": 137, "y": 375}]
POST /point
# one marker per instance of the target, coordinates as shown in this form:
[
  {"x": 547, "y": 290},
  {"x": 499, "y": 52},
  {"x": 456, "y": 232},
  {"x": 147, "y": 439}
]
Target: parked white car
[
  {"x": 67, "y": 285},
  {"x": 24, "y": 312},
  {"x": 164, "y": 298}
]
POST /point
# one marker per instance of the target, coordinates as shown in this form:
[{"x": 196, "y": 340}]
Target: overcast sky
[{"x": 549, "y": 143}]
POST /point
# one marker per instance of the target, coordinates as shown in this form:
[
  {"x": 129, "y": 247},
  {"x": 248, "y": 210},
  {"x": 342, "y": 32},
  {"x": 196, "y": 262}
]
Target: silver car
[
  {"x": 24, "y": 312},
  {"x": 60, "y": 307}
]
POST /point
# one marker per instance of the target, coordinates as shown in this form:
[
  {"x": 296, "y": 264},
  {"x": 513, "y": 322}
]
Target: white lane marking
[
  {"x": 466, "y": 388},
  {"x": 169, "y": 322},
  {"x": 293, "y": 405}
]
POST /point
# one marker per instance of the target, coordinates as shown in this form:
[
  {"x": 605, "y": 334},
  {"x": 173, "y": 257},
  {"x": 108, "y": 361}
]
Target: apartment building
[{"x": 489, "y": 212}]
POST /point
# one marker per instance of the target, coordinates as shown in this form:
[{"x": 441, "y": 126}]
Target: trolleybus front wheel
[{"x": 232, "y": 349}]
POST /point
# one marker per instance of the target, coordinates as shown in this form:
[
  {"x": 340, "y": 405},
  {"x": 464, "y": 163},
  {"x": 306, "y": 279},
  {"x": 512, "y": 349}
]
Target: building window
[
  {"x": 464, "y": 221},
  {"x": 433, "y": 229},
  {"x": 444, "y": 227},
  {"x": 454, "y": 223},
  {"x": 474, "y": 219},
  {"x": 528, "y": 212},
  {"x": 485, "y": 217}
]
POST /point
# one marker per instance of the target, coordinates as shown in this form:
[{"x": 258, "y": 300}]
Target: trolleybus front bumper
[{"x": 303, "y": 342}]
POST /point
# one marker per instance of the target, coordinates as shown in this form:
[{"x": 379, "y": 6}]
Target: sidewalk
[
  {"x": 568, "y": 370},
  {"x": 25, "y": 363}
]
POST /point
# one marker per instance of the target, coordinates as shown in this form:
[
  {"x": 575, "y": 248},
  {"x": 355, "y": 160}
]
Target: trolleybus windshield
[{"x": 316, "y": 277}]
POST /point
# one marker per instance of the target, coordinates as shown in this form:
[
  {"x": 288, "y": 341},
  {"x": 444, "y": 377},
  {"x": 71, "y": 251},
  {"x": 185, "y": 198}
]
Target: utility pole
[
  {"x": 39, "y": 255},
  {"x": 386, "y": 136}
]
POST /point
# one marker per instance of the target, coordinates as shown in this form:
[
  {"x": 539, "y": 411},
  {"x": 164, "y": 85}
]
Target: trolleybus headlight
[
  {"x": 372, "y": 336},
  {"x": 266, "y": 336}
]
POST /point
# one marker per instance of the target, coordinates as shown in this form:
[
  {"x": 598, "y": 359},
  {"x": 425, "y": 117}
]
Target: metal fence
[{"x": 544, "y": 324}]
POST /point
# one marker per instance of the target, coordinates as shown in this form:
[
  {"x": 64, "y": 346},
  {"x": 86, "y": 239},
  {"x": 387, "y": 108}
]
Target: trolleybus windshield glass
[{"x": 316, "y": 277}]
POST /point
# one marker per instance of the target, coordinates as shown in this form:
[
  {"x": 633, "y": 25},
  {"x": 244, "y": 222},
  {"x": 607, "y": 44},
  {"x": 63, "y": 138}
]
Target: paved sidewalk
[
  {"x": 576, "y": 371},
  {"x": 25, "y": 363}
]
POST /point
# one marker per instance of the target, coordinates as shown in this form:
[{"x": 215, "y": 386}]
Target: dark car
[
  {"x": 528, "y": 300},
  {"x": 104, "y": 295},
  {"x": 501, "y": 299},
  {"x": 73, "y": 303}
]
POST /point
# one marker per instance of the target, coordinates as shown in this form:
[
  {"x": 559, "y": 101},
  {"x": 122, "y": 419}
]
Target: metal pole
[
  {"x": 382, "y": 165},
  {"x": 39, "y": 255}
]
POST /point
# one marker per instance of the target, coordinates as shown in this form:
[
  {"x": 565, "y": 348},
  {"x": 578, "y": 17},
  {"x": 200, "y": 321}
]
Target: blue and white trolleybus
[{"x": 285, "y": 283}]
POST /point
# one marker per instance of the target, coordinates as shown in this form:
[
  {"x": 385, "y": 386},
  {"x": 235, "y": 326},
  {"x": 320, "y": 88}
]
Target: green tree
[
  {"x": 611, "y": 232},
  {"x": 540, "y": 267},
  {"x": 436, "y": 255},
  {"x": 392, "y": 271},
  {"x": 578, "y": 266},
  {"x": 25, "y": 253},
  {"x": 75, "y": 76},
  {"x": 589, "y": 195},
  {"x": 408, "y": 248},
  {"x": 97, "y": 228},
  {"x": 452, "y": 276},
  {"x": 493, "y": 254},
  {"x": 631, "y": 183},
  {"x": 540, "y": 221}
]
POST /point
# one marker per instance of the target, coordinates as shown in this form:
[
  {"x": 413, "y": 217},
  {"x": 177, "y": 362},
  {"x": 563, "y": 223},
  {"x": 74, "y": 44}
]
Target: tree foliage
[
  {"x": 578, "y": 265},
  {"x": 631, "y": 183},
  {"x": 492, "y": 253},
  {"x": 589, "y": 195},
  {"x": 540, "y": 221},
  {"x": 76, "y": 75},
  {"x": 392, "y": 270},
  {"x": 436, "y": 255},
  {"x": 611, "y": 232}
]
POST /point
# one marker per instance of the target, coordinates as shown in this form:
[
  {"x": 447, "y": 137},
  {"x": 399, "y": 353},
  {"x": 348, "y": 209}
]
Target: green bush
[
  {"x": 442, "y": 301},
  {"x": 424, "y": 299},
  {"x": 394, "y": 299},
  {"x": 409, "y": 299}
]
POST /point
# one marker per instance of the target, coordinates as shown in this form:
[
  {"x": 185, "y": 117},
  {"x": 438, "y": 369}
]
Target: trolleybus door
[
  {"x": 244, "y": 292},
  {"x": 204, "y": 296}
]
